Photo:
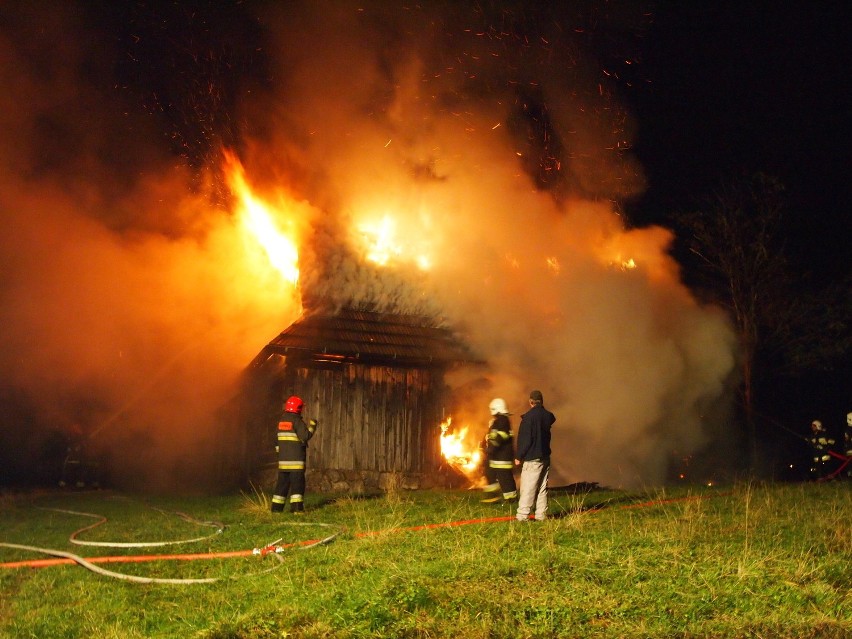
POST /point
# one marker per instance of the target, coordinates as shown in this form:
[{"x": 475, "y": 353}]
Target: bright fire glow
[
  {"x": 624, "y": 263},
  {"x": 383, "y": 246},
  {"x": 459, "y": 454},
  {"x": 379, "y": 238},
  {"x": 259, "y": 219}
]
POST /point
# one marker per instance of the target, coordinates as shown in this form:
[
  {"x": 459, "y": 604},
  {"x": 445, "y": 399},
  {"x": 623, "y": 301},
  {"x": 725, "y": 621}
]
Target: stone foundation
[{"x": 369, "y": 481}]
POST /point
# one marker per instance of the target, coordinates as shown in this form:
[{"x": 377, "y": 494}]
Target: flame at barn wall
[{"x": 137, "y": 296}]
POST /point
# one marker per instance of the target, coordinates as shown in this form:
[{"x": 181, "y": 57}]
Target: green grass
[{"x": 743, "y": 561}]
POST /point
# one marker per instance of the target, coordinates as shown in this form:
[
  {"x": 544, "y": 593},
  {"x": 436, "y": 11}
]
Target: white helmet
[
  {"x": 816, "y": 425},
  {"x": 498, "y": 407},
  {"x": 849, "y": 419}
]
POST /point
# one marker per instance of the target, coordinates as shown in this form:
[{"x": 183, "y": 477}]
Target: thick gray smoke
[{"x": 487, "y": 145}]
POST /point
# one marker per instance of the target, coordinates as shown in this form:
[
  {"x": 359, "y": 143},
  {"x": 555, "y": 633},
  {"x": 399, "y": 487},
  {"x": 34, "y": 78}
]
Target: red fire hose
[{"x": 845, "y": 459}]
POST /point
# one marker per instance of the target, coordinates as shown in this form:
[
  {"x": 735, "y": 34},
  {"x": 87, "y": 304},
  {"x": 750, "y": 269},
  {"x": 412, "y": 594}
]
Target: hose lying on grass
[
  {"x": 273, "y": 548},
  {"x": 220, "y": 527},
  {"x": 67, "y": 557},
  {"x": 118, "y": 575}
]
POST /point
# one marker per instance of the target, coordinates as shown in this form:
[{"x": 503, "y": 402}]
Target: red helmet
[{"x": 294, "y": 404}]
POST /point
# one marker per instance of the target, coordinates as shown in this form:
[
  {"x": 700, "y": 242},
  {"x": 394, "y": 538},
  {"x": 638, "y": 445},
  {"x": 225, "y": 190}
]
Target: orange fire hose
[{"x": 128, "y": 559}]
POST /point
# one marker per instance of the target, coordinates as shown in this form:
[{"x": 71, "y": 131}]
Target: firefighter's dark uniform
[
  {"x": 292, "y": 442},
  {"x": 78, "y": 469},
  {"x": 499, "y": 456},
  {"x": 821, "y": 444}
]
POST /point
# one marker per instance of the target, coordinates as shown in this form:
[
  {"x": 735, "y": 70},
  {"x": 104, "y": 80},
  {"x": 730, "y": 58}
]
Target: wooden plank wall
[{"x": 372, "y": 417}]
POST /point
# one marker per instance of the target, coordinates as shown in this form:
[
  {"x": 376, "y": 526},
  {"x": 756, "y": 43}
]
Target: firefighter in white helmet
[
  {"x": 499, "y": 453},
  {"x": 847, "y": 444},
  {"x": 821, "y": 444},
  {"x": 292, "y": 445}
]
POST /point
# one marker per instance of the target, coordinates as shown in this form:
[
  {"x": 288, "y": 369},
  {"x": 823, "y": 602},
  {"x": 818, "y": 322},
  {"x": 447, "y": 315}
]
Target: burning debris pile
[
  {"x": 458, "y": 452},
  {"x": 462, "y": 163}
]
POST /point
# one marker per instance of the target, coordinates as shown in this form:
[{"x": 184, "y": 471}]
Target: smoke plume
[{"x": 490, "y": 135}]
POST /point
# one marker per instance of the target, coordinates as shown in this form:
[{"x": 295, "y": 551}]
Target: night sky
[
  {"x": 660, "y": 101},
  {"x": 740, "y": 87}
]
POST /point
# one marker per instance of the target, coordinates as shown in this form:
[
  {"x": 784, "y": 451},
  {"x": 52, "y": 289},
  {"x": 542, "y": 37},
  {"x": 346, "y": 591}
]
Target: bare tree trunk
[
  {"x": 745, "y": 308},
  {"x": 748, "y": 405}
]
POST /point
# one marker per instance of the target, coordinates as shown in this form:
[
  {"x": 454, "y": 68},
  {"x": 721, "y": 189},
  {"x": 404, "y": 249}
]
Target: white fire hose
[{"x": 272, "y": 548}]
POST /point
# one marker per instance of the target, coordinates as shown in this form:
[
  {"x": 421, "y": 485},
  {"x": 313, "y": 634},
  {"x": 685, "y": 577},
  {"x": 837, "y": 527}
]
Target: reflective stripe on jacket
[
  {"x": 292, "y": 438},
  {"x": 500, "y": 448}
]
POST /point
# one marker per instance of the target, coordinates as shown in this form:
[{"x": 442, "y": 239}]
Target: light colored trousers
[{"x": 533, "y": 496}]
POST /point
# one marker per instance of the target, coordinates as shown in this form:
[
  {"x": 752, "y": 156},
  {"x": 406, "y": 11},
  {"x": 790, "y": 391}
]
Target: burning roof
[{"x": 370, "y": 337}]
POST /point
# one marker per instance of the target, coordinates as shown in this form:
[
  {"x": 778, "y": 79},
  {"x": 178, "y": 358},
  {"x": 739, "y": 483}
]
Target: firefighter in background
[
  {"x": 292, "y": 444},
  {"x": 847, "y": 444},
  {"x": 74, "y": 466},
  {"x": 499, "y": 456},
  {"x": 81, "y": 463},
  {"x": 821, "y": 444}
]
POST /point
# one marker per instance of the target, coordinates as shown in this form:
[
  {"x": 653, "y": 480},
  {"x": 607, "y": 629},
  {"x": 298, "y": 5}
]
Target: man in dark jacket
[
  {"x": 292, "y": 445},
  {"x": 533, "y": 455}
]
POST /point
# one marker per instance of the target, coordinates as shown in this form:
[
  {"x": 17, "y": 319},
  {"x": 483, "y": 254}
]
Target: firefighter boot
[
  {"x": 297, "y": 508},
  {"x": 277, "y": 504}
]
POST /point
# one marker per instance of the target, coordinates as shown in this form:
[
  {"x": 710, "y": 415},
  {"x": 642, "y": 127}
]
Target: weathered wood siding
[{"x": 376, "y": 418}]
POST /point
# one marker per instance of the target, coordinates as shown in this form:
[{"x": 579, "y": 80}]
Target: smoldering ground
[{"x": 491, "y": 136}]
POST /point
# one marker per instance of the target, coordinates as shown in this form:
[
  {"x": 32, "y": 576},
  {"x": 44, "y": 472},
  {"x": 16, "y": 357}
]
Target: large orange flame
[{"x": 263, "y": 223}]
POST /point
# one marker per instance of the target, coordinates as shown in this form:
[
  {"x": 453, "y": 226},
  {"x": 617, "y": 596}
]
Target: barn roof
[{"x": 370, "y": 337}]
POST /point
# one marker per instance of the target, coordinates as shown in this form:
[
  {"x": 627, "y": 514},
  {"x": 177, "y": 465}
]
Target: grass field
[{"x": 748, "y": 560}]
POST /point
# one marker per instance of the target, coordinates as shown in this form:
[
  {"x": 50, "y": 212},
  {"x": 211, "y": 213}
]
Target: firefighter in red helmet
[{"x": 292, "y": 444}]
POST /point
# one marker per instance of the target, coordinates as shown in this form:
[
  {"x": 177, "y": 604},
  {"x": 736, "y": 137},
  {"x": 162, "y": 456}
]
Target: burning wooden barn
[{"x": 375, "y": 382}]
